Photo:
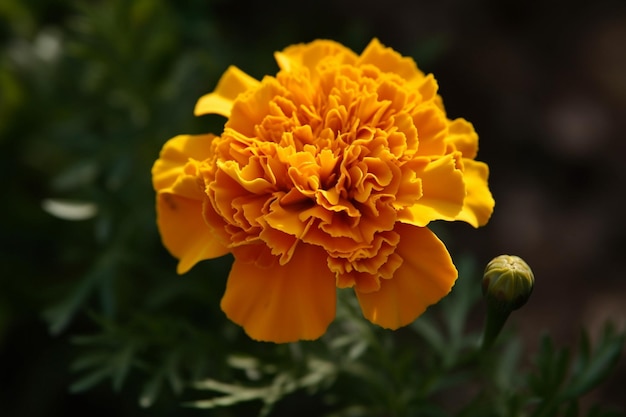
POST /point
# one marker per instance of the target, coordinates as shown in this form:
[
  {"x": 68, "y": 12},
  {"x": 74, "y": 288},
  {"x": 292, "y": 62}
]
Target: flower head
[{"x": 326, "y": 175}]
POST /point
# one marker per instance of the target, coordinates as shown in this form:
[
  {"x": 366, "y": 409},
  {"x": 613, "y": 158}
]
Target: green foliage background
[{"x": 93, "y": 319}]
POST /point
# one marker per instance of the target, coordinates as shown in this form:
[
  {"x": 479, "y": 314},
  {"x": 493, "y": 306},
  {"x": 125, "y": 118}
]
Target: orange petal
[
  {"x": 426, "y": 275},
  {"x": 432, "y": 128},
  {"x": 389, "y": 60},
  {"x": 175, "y": 154},
  {"x": 479, "y": 203},
  {"x": 462, "y": 135},
  {"x": 309, "y": 55},
  {"x": 284, "y": 303},
  {"x": 184, "y": 232},
  {"x": 251, "y": 109},
  {"x": 232, "y": 83},
  {"x": 443, "y": 193}
]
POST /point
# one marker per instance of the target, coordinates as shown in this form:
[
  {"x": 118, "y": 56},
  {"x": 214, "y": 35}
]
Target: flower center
[{"x": 327, "y": 159}]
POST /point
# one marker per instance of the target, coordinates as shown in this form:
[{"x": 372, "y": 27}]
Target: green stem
[{"x": 496, "y": 318}]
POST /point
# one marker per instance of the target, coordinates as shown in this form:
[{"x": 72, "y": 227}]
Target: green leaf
[
  {"x": 60, "y": 315},
  {"x": 457, "y": 305},
  {"x": 90, "y": 380},
  {"x": 121, "y": 364},
  {"x": 552, "y": 366},
  {"x": 318, "y": 373},
  {"x": 591, "y": 368},
  {"x": 89, "y": 360},
  {"x": 150, "y": 391},
  {"x": 424, "y": 327}
]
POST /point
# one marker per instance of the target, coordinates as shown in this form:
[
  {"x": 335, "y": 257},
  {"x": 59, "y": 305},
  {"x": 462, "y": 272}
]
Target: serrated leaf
[
  {"x": 81, "y": 173},
  {"x": 552, "y": 366},
  {"x": 594, "y": 367},
  {"x": 430, "y": 333},
  {"x": 150, "y": 391},
  {"x": 60, "y": 315},
  {"x": 172, "y": 372},
  {"x": 90, "y": 360},
  {"x": 457, "y": 305},
  {"x": 120, "y": 365},
  {"x": 90, "y": 380}
]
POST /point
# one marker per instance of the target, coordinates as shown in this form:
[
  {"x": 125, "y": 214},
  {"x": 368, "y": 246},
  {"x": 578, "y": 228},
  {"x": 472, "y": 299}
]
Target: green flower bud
[{"x": 507, "y": 282}]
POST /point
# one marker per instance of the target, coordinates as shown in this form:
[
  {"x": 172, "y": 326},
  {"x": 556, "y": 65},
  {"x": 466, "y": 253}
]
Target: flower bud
[{"x": 507, "y": 282}]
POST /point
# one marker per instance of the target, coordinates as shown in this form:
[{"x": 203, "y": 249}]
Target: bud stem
[{"x": 493, "y": 325}]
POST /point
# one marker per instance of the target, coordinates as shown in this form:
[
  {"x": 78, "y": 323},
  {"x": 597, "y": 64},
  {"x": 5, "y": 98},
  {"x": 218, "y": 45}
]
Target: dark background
[{"x": 89, "y": 91}]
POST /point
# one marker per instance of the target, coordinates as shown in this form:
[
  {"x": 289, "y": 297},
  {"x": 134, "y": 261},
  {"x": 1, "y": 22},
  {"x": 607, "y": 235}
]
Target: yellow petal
[
  {"x": 184, "y": 232},
  {"x": 479, "y": 202},
  {"x": 462, "y": 135},
  {"x": 287, "y": 219},
  {"x": 284, "y": 303},
  {"x": 443, "y": 193},
  {"x": 388, "y": 60},
  {"x": 232, "y": 83},
  {"x": 432, "y": 129},
  {"x": 251, "y": 109},
  {"x": 426, "y": 275},
  {"x": 175, "y": 154},
  {"x": 309, "y": 55}
]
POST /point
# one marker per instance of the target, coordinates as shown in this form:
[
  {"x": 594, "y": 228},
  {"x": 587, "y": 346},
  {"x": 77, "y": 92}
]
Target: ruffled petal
[
  {"x": 282, "y": 303},
  {"x": 175, "y": 155},
  {"x": 232, "y": 83},
  {"x": 426, "y": 275},
  {"x": 432, "y": 129},
  {"x": 251, "y": 109},
  {"x": 388, "y": 60},
  {"x": 443, "y": 193},
  {"x": 479, "y": 202},
  {"x": 309, "y": 55},
  {"x": 463, "y": 137},
  {"x": 184, "y": 232}
]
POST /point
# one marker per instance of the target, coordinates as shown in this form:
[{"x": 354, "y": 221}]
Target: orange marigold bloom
[{"x": 325, "y": 176}]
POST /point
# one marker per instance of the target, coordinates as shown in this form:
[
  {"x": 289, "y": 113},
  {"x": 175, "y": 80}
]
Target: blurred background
[{"x": 90, "y": 91}]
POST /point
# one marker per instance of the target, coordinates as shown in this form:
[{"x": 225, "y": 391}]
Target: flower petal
[
  {"x": 388, "y": 60},
  {"x": 309, "y": 55},
  {"x": 252, "y": 108},
  {"x": 432, "y": 129},
  {"x": 184, "y": 232},
  {"x": 479, "y": 202},
  {"x": 180, "y": 195},
  {"x": 232, "y": 83},
  {"x": 282, "y": 303},
  {"x": 174, "y": 156},
  {"x": 426, "y": 275},
  {"x": 443, "y": 193},
  {"x": 462, "y": 135}
]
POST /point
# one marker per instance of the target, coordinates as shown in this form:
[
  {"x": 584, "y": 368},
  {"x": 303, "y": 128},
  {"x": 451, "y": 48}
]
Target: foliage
[
  {"x": 437, "y": 367},
  {"x": 89, "y": 91}
]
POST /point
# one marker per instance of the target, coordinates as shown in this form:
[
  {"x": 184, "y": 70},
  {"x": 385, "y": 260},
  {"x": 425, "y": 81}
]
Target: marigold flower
[{"x": 326, "y": 176}]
